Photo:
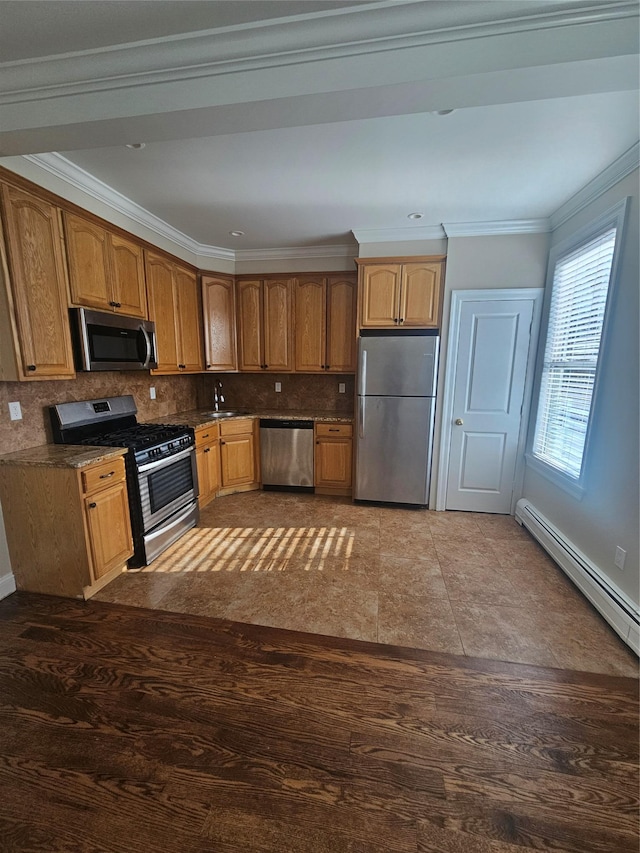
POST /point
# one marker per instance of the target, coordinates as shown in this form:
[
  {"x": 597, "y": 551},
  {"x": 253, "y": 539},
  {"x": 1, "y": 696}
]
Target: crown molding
[
  {"x": 398, "y": 235},
  {"x": 311, "y": 37},
  {"x": 619, "y": 169},
  {"x": 293, "y": 254},
  {"x": 496, "y": 227},
  {"x": 76, "y": 177}
]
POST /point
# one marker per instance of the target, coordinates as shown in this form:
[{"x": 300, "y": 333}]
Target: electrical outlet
[
  {"x": 278, "y": 387},
  {"x": 342, "y": 387},
  {"x": 621, "y": 556},
  {"x": 15, "y": 412},
  {"x": 152, "y": 393}
]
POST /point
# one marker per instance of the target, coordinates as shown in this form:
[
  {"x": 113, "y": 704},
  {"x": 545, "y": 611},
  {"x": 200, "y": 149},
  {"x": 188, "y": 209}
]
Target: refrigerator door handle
[
  {"x": 361, "y": 418},
  {"x": 363, "y": 373}
]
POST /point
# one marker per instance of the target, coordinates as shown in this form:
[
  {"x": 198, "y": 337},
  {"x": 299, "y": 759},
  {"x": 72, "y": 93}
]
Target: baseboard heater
[{"x": 617, "y": 608}]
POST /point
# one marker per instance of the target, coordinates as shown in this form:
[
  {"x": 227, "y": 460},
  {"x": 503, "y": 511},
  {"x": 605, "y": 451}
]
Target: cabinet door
[
  {"x": 219, "y": 312},
  {"x": 34, "y": 243},
  {"x": 420, "y": 302},
  {"x": 189, "y": 325},
  {"x": 162, "y": 311},
  {"x": 341, "y": 324},
  {"x": 88, "y": 258},
  {"x": 310, "y": 324},
  {"x": 380, "y": 296},
  {"x": 333, "y": 463},
  {"x": 237, "y": 460},
  {"x": 250, "y": 348},
  {"x": 129, "y": 288},
  {"x": 278, "y": 350},
  {"x": 107, "y": 514}
]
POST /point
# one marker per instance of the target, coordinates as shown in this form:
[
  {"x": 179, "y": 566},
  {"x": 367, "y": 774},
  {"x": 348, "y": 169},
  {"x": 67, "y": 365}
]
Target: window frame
[{"x": 613, "y": 217}]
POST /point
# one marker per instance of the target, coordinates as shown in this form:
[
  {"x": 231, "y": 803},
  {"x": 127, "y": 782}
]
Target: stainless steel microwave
[{"x": 112, "y": 342}]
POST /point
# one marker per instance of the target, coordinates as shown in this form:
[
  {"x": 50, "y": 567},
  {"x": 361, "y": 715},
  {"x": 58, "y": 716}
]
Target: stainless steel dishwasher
[{"x": 286, "y": 454}]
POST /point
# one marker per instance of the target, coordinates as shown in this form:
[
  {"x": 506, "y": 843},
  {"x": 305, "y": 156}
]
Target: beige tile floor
[{"x": 464, "y": 583}]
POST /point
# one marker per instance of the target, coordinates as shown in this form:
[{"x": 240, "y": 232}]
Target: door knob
[{"x": 459, "y": 422}]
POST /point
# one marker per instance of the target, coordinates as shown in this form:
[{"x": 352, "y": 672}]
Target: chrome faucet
[{"x": 218, "y": 396}]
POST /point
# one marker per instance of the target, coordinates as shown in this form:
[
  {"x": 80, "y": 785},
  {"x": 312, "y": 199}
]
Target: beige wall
[
  {"x": 485, "y": 263},
  {"x": 607, "y": 515},
  {"x": 401, "y": 248}
]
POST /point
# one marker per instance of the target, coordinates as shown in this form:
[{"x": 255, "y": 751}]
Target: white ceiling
[{"x": 298, "y": 122}]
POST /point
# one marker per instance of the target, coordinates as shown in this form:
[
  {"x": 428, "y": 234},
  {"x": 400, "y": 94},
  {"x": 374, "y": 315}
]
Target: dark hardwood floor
[{"x": 131, "y": 730}]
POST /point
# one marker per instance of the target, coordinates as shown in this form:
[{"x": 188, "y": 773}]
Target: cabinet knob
[
  {"x": 31, "y": 367},
  {"x": 93, "y": 505},
  {"x": 402, "y": 319},
  {"x": 317, "y": 441},
  {"x": 182, "y": 366},
  {"x": 223, "y": 442},
  {"x": 395, "y": 319},
  {"x": 208, "y": 366},
  {"x": 207, "y": 449},
  {"x": 112, "y": 303}
]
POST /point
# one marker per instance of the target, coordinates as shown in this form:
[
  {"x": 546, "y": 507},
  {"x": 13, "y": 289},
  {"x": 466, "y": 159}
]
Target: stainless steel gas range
[{"x": 161, "y": 470}]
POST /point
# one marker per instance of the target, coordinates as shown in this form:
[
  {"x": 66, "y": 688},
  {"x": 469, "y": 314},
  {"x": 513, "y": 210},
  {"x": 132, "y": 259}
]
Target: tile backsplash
[
  {"x": 173, "y": 394},
  {"x": 301, "y": 391}
]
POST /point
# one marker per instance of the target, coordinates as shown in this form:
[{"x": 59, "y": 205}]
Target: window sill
[{"x": 562, "y": 481}]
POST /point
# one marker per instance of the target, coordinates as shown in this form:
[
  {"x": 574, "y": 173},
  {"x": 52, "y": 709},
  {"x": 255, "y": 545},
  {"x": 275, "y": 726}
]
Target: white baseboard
[
  {"x": 7, "y": 585},
  {"x": 615, "y": 606}
]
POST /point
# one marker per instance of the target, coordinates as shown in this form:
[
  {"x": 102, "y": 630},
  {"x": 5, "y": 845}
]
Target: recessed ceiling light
[
  {"x": 135, "y": 146},
  {"x": 443, "y": 112},
  {"x": 415, "y": 216},
  {"x": 236, "y": 233}
]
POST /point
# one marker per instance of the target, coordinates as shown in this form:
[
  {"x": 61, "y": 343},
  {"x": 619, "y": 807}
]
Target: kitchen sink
[{"x": 221, "y": 414}]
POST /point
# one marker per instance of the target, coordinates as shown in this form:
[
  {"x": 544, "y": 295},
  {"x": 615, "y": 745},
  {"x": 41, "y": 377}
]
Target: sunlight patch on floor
[{"x": 254, "y": 549}]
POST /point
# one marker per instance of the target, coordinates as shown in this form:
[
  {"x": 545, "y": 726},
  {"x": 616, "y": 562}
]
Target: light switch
[
  {"x": 620, "y": 557},
  {"x": 342, "y": 387},
  {"x": 278, "y": 387},
  {"x": 152, "y": 393},
  {"x": 15, "y": 412}
]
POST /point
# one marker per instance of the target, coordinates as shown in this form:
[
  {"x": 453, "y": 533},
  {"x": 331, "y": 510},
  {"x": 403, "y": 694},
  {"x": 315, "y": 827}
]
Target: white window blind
[{"x": 578, "y": 300}]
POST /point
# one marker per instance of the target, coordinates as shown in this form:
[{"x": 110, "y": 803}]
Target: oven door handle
[{"x": 162, "y": 463}]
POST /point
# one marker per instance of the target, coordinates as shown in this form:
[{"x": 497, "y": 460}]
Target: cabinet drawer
[
  {"x": 332, "y": 430},
  {"x": 242, "y": 425},
  {"x": 103, "y": 475},
  {"x": 207, "y": 434}
]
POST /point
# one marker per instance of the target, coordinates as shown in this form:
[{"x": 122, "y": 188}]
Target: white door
[{"x": 491, "y": 339}]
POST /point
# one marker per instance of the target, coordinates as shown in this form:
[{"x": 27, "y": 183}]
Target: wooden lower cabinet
[
  {"x": 208, "y": 463},
  {"x": 239, "y": 456},
  {"x": 333, "y": 458},
  {"x": 68, "y": 529}
]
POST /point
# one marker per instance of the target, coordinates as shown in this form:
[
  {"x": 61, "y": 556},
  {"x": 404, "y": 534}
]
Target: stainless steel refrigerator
[{"x": 396, "y": 396}]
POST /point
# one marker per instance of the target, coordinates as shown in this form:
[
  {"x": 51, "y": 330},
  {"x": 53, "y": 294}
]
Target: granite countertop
[
  {"x": 61, "y": 456},
  {"x": 203, "y": 417}
]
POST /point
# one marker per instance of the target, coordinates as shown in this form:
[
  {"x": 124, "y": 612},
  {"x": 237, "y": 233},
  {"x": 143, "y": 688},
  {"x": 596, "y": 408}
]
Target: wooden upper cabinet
[
  {"x": 380, "y": 296},
  {"x": 174, "y": 306},
  {"x": 277, "y": 307},
  {"x": 325, "y": 324},
  {"x": 250, "y": 334},
  {"x": 341, "y": 324},
  {"x": 310, "y": 324},
  {"x": 162, "y": 311},
  {"x": 34, "y": 330},
  {"x": 219, "y": 316},
  {"x": 420, "y": 301},
  {"x": 190, "y": 346},
  {"x": 264, "y": 325},
  {"x": 106, "y": 271},
  {"x": 400, "y": 295},
  {"x": 88, "y": 259},
  {"x": 129, "y": 286}
]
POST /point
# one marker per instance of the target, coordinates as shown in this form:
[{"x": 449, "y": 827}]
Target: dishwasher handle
[{"x": 277, "y": 423}]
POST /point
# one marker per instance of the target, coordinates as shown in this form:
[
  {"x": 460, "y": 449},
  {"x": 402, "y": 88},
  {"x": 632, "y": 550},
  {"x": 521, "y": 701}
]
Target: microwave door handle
[{"x": 147, "y": 345}]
